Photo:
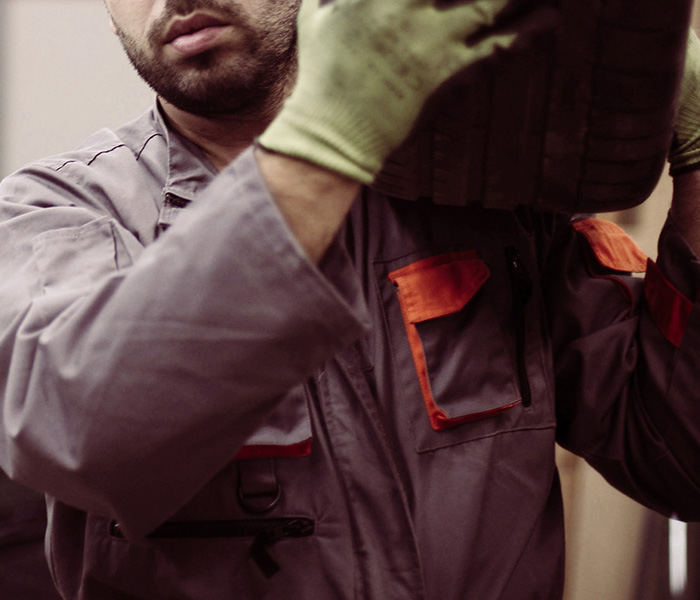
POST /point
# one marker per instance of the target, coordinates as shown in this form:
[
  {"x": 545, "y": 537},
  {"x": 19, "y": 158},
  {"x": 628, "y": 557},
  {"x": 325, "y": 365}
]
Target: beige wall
[{"x": 64, "y": 76}]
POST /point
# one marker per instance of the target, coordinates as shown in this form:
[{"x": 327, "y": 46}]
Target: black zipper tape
[
  {"x": 521, "y": 287},
  {"x": 265, "y": 533}
]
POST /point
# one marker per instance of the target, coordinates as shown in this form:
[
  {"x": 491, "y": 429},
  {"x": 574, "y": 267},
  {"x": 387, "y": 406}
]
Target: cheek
[
  {"x": 260, "y": 7},
  {"x": 134, "y": 16},
  {"x": 250, "y": 6}
]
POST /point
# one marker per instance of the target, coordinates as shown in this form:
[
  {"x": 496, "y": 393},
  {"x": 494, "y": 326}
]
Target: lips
[
  {"x": 195, "y": 34},
  {"x": 191, "y": 24}
]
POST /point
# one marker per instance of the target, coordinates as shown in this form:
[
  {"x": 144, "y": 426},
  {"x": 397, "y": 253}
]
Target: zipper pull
[{"x": 271, "y": 535}]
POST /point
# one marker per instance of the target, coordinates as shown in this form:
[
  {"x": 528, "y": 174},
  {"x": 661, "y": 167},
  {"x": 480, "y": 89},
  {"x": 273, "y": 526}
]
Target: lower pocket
[{"x": 264, "y": 533}]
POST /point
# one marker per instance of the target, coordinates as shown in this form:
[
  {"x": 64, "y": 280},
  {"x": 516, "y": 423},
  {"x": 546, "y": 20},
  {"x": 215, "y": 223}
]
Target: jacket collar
[{"x": 188, "y": 171}]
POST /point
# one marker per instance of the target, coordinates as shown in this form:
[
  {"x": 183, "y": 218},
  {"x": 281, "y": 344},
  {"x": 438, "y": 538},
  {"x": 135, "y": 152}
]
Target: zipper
[
  {"x": 265, "y": 533},
  {"x": 521, "y": 287}
]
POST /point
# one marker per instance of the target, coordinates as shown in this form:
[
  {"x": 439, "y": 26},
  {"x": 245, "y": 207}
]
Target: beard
[{"x": 253, "y": 78}]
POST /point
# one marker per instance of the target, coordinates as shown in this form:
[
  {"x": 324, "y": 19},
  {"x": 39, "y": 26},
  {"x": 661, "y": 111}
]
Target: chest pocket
[
  {"x": 455, "y": 340},
  {"x": 71, "y": 259}
]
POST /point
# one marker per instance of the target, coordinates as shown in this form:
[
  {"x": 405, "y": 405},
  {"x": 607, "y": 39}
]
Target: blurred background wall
[{"x": 63, "y": 76}]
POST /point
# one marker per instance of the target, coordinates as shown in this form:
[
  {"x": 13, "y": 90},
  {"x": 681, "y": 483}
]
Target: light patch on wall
[{"x": 677, "y": 557}]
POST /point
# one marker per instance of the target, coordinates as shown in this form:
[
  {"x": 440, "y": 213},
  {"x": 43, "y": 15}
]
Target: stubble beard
[{"x": 254, "y": 80}]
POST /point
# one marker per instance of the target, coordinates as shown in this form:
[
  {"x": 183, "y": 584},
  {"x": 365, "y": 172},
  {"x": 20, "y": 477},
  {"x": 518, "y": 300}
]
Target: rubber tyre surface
[{"x": 579, "y": 119}]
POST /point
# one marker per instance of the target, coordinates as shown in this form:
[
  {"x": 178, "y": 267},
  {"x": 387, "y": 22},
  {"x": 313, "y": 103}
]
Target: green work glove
[
  {"x": 366, "y": 68},
  {"x": 685, "y": 152}
]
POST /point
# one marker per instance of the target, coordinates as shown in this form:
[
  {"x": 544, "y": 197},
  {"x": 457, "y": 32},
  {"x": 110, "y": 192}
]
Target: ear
[{"x": 112, "y": 26}]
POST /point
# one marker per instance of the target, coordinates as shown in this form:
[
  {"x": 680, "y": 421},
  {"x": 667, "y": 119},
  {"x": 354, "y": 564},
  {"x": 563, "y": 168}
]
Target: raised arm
[
  {"x": 685, "y": 155},
  {"x": 365, "y": 71}
]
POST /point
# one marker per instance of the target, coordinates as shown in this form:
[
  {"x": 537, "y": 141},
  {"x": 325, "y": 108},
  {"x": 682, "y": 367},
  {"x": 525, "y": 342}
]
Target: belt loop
[{"x": 258, "y": 488}]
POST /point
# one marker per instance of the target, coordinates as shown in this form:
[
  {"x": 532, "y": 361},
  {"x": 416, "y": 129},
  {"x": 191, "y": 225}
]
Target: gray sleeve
[{"x": 129, "y": 376}]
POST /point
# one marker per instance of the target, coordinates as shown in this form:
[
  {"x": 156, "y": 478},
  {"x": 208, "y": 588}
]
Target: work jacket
[{"x": 212, "y": 416}]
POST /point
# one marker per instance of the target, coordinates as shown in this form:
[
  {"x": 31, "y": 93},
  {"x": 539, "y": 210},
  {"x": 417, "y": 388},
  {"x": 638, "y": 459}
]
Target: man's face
[{"x": 210, "y": 57}]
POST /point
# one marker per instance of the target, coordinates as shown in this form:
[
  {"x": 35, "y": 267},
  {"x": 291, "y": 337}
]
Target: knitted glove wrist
[{"x": 685, "y": 151}]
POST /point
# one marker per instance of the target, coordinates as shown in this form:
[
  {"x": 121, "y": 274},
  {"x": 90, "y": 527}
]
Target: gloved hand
[
  {"x": 366, "y": 68},
  {"x": 685, "y": 150}
]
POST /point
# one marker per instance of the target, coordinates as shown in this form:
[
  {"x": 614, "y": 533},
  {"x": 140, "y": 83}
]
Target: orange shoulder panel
[{"x": 612, "y": 247}]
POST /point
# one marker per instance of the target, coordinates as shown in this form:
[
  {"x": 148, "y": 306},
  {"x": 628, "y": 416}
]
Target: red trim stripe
[
  {"x": 669, "y": 309},
  {"x": 273, "y": 451}
]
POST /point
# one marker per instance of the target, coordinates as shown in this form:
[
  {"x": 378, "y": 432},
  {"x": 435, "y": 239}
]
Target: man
[{"x": 238, "y": 373}]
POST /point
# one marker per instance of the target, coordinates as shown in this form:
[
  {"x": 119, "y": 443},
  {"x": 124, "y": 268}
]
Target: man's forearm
[
  {"x": 313, "y": 200},
  {"x": 685, "y": 208}
]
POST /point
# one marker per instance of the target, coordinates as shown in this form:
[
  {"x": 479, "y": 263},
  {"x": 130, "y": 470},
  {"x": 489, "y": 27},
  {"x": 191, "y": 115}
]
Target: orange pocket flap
[
  {"x": 439, "y": 285},
  {"x": 612, "y": 247}
]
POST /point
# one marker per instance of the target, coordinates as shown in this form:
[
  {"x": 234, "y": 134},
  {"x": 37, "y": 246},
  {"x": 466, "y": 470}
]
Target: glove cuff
[
  {"x": 690, "y": 161},
  {"x": 333, "y": 137},
  {"x": 685, "y": 149}
]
